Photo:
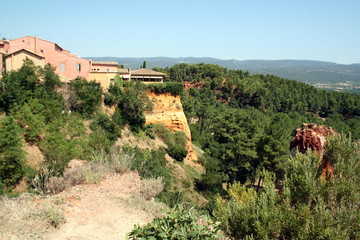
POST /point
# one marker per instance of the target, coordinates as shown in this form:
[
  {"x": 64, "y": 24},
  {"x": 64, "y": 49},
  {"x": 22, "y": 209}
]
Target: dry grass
[
  {"x": 101, "y": 164},
  {"x": 137, "y": 201},
  {"x": 151, "y": 187},
  {"x": 116, "y": 161},
  {"x": 25, "y": 218}
]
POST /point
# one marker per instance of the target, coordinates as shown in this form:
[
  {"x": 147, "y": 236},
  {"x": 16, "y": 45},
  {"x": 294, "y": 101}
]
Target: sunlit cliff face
[{"x": 168, "y": 110}]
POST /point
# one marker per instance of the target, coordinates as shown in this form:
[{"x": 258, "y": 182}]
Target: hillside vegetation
[
  {"x": 323, "y": 75},
  {"x": 241, "y": 125}
]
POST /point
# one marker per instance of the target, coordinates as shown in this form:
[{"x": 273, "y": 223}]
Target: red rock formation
[
  {"x": 167, "y": 109},
  {"x": 313, "y": 137}
]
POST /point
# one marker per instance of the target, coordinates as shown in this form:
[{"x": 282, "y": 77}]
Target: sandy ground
[{"x": 94, "y": 211}]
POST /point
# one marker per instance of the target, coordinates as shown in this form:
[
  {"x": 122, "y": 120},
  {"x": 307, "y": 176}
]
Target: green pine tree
[{"x": 11, "y": 154}]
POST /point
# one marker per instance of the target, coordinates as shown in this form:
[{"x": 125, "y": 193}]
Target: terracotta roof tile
[
  {"x": 147, "y": 72},
  {"x": 105, "y": 63}
]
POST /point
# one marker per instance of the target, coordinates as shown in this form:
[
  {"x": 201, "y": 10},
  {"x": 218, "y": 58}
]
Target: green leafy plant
[
  {"x": 85, "y": 96},
  {"x": 174, "y": 88},
  {"x": 132, "y": 105},
  {"x": 309, "y": 205},
  {"x": 12, "y": 156},
  {"x": 178, "y": 152},
  {"x": 179, "y": 223}
]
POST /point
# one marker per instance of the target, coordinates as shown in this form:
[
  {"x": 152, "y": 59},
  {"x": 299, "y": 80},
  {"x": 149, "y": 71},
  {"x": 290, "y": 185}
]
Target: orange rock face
[
  {"x": 168, "y": 110},
  {"x": 313, "y": 137}
]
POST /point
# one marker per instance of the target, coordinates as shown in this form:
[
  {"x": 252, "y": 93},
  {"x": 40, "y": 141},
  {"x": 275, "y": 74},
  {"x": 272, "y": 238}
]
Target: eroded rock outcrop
[
  {"x": 168, "y": 110},
  {"x": 313, "y": 137}
]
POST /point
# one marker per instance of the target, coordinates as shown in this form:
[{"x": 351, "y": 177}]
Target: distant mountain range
[{"x": 313, "y": 72}]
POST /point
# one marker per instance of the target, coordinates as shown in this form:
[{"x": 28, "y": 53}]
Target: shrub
[
  {"x": 117, "y": 160},
  {"x": 310, "y": 205},
  {"x": 40, "y": 180},
  {"x": 89, "y": 173},
  {"x": 2, "y": 187},
  {"x": 104, "y": 122},
  {"x": 12, "y": 156},
  {"x": 163, "y": 133},
  {"x": 151, "y": 187},
  {"x": 180, "y": 223},
  {"x": 99, "y": 141},
  {"x": 167, "y": 136},
  {"x": 180, "y": 138},
  {"x": 151, "y": 164},
  {"x": 55, "y": 218},
  {"x": 55, "y": 185},
  {"x": 178, "y": 152},
  {"x": 85, "y": 97},
  {"x": 132, "y": 105},
  {"x": 174, "y": 88},
  {"x": 172, "y": 198},
  {"x": 31, "y": 119},
  {"x": 59, "y": 151}
]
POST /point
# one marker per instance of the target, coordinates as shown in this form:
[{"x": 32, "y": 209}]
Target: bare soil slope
[
  {"x": 97, "y": 212},
  {"x": 107, "y": 210}
]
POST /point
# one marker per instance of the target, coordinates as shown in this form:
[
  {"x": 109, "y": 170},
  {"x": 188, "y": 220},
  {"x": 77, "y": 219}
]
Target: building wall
[
  {"x": 15, "y": 61},
  {"x": 105, "y": 79},
  {"x": 4, "y": 46},
  {"x": 66, "y": 64},
  {"x": 104, "y": 68}
]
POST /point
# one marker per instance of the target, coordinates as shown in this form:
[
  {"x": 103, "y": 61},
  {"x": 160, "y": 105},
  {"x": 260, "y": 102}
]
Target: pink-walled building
[{"x": 67, "y": 65}]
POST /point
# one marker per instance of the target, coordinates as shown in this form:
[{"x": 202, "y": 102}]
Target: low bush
[
  {"x": 310, "y": 206},
  {"x": 117, "y": 160},
  {"x": 169, "y": 137},
  {"x": 155, "y": 208},
  {"x": 151, "y": 164},
  {"x": 11, "y": 154},
  {"x": 85, "y": 96},
  {"x": 179, "y": 223},
  {"x": 55, "y": 185},
  {"x": 178, "y": 152},
  {"x": 172, "y": 199},
  {"x": 174, "y": 88},
  {"x": 55, "y": 218},
  {"x": 151, "y": 187},
  {"x": 104, "y": 122},
  {"x": 2, "y": 187}
]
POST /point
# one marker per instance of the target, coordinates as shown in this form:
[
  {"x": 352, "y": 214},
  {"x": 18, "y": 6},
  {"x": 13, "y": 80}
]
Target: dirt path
[{"x": 95, "y": 211}]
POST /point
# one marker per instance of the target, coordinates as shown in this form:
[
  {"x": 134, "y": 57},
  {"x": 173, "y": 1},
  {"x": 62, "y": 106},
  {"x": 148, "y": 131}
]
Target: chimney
[{"x": 36, "y": 38}]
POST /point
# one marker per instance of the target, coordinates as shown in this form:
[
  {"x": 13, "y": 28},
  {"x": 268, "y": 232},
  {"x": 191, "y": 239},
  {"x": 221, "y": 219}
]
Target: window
[
  {"x": 108, "y": 70},
  {"x": 78, "y": 67},
  {"x": 42, "y": 51},
  {"x": 62, "y": 67}
]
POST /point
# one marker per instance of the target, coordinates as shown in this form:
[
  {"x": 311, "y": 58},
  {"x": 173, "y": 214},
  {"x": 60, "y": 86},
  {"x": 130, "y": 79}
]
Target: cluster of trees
[
  {"x": 245, "y": 122},
  {"x": 35, "y": 113},
  {"x": 67, "y": 122},
  {"x": 309, "y": 205}
]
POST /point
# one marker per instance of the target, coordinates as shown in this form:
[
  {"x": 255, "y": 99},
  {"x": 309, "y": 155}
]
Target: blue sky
[{"x": 325, "y": 30}]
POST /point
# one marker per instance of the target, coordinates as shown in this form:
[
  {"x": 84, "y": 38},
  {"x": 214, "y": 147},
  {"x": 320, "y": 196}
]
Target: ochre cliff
[
  {"x": 313, "y": 137},
  {"x": 168, "y": 110}
]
